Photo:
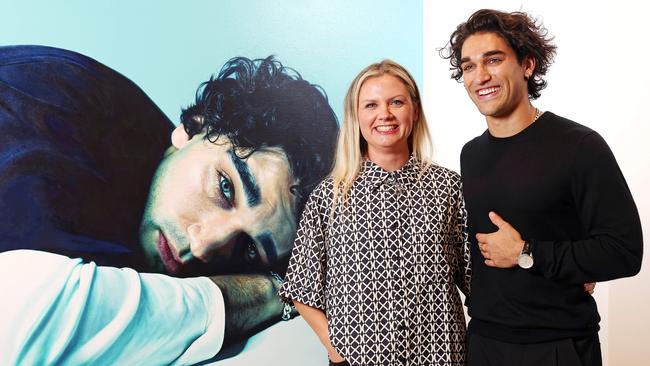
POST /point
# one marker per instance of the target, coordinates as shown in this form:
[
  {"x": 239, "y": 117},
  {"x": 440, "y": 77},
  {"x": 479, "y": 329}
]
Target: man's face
[
  {"x": 493, "y": 78},
  {"x": 211, "y": 212}
]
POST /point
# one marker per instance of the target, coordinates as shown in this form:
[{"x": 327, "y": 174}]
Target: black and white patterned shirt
[{"x": 385, "y": 267}]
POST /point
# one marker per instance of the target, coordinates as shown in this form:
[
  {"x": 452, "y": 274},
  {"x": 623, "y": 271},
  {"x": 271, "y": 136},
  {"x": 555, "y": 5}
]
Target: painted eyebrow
[
  {"x": 251, "y": 190},
  {"x": 268, "y": 244},
  {"x": 486, "y": 54}
]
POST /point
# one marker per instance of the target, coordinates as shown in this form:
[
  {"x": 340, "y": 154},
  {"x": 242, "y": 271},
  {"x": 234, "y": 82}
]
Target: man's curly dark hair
[
  {"x": 259, "y": 104},
  {"x": 523, "y": 33}
]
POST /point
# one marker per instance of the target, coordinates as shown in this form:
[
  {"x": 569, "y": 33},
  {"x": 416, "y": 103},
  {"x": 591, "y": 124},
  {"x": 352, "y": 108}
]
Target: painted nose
[{"x": 206, "y": 240}]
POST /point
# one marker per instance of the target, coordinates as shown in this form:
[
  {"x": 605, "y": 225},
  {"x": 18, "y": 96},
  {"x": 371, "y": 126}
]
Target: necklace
[{"x": 537, "y": 114}]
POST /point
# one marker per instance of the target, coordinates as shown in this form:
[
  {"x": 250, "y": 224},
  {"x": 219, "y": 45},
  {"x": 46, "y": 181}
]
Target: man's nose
[
  {"x": 206, "y": 239},
  {"x": 482, "y": 74}
]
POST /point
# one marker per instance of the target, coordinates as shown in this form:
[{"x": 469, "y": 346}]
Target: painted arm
[{"x": 250, "y": 300}]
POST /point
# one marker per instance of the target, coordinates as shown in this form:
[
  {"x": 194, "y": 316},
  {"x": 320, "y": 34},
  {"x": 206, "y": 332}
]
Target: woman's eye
[
  {"x": 398, "y": 102},
  {"x": 226, "y": 188},
  {"x": 371, "y": 105}
]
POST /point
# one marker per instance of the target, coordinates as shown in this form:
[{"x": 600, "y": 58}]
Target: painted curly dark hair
[
  {"x": 260, "y": 103},
  {"x": 524, "y": 34}
]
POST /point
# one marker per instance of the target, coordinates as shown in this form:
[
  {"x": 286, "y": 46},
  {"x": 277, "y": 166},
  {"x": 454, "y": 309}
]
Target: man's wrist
[
  {"x": 287, "y": 309},
  {"x": 276, "y": 280},
  {"x": 525, "y": 259},
  {"x": 520, "y": 246}
]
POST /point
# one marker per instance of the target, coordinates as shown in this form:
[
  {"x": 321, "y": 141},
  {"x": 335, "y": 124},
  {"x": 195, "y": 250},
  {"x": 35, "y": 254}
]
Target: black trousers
[{"x": 582, "y": 351}]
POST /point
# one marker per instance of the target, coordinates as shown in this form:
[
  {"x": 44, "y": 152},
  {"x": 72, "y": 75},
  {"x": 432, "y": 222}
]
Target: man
[
  {"x": 548, "y": 207},
  {"x": 80, "y": 144}
]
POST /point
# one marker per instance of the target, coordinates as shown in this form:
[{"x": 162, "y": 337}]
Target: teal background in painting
[{"x": 169, "y": 47}]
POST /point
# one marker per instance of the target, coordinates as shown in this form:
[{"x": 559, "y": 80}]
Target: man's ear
[
  {"x": 180, "y": 138},
  {"x": 529, "y": 66}
]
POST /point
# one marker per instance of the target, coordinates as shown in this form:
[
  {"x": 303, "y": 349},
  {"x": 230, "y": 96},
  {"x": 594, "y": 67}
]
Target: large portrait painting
[{"x": 181, "y": 140}]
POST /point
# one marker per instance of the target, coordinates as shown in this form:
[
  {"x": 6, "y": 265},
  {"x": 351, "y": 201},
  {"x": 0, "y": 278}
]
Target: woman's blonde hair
[{"x": 352, "y": 147}]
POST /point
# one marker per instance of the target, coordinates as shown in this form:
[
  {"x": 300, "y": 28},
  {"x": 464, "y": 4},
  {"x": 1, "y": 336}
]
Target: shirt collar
[{"x": 375, "y": 175}]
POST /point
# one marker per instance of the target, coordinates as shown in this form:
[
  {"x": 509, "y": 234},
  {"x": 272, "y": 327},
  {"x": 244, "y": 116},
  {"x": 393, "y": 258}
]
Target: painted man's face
[{"x": 211, "y": 212}]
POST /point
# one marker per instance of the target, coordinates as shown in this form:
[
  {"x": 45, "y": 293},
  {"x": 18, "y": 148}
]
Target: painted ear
[{"x": 180, "y": 138}]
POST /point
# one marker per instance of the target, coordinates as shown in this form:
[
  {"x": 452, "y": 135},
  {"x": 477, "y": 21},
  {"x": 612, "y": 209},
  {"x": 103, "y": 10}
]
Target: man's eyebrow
[
  {"x": 251, "y": 190},
  {"x": 268, "y": 244},
  {"x": 492, "y": 53},
  {"x": 486, "y": 54}
]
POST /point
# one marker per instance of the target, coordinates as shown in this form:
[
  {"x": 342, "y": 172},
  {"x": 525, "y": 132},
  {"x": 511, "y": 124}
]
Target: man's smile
[{"x": 488, "y": 92}]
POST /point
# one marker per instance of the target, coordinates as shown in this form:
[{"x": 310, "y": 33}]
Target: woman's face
[{"x": 386, "y": 114}]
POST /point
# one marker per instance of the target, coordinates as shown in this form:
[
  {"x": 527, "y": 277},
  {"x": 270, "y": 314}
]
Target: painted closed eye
[{"x": 250, "y": 253}]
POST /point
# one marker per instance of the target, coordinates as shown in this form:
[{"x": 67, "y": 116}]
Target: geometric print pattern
[{"x": 386, "y": 267}]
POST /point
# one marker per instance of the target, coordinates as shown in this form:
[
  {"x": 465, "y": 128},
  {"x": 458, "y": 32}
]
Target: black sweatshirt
[{"x": 558, "y": 184}]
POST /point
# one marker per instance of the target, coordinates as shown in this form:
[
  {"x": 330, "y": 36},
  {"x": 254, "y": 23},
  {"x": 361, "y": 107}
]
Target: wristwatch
[{"x": 525, "y": 259}]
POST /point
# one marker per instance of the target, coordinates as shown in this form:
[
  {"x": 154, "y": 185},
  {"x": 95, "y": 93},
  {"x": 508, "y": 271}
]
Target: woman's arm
[{"x": 318, "y": 323}]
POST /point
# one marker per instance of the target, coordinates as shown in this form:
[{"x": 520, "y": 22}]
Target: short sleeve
[{"x": 305, "y": 279}]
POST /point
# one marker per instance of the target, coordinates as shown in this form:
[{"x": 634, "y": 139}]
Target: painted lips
[{"x": 168, "y": 256}]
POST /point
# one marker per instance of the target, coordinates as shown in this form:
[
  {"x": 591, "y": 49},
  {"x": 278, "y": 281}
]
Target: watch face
[{"x": 525, "y": 261}]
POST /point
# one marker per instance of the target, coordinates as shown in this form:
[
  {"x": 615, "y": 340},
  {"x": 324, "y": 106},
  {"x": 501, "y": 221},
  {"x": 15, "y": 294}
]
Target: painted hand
[
  {"x": 589, "y": 287},
  {"x": 502, "y": 247}
]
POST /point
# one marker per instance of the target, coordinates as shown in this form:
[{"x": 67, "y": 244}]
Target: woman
[{"x": 382, "y": 243}]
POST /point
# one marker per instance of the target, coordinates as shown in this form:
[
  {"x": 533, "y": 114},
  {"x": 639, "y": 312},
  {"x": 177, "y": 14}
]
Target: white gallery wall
[{"x": 601, "y": 78}]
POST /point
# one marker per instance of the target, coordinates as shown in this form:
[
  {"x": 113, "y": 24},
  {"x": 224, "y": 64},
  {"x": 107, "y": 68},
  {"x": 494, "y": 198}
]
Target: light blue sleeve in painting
[{"x": 57, "y": 310}]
